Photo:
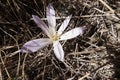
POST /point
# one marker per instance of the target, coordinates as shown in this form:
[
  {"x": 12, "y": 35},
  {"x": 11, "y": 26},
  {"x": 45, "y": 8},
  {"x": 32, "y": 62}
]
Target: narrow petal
[
  {"x": 41, "y": 24},
  {"x": 58, "y": 50},
  {"x": 72, "y": 33},
  {"x": 35, "y": 45},
  {"x": 64, "y": 25},
  {"x": 50, "y": 13}
]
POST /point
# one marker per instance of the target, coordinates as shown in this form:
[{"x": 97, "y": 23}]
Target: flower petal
[
  {"x": 50, "y": 13},
  {"x": 64, "y": 25},
  {"x": 41, "y": 24},
  {"x": 72, "y": 33},
  {"x": 58, "y": 50},
  {"x": 34, "y": 45}
]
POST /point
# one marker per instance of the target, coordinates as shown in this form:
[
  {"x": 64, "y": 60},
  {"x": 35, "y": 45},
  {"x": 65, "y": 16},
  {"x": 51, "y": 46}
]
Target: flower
[{"x": 54, "y": 36}]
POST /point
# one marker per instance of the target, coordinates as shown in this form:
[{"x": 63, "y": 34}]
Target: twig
[
  {"x": 5, "y": 67},
  {"x": 23, "y": 67},
  {"x": 107, "y": 6},
  {"x": 0, "y": 74},
  {"x": 84, "y": 76}
]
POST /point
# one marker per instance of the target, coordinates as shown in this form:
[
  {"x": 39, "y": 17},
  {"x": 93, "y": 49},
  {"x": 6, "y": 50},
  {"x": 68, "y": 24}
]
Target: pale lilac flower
[{"x": 54, "y": 36}]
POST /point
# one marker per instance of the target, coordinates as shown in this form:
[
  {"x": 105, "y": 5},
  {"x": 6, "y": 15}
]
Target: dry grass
[{"x": 93, "y": 56}]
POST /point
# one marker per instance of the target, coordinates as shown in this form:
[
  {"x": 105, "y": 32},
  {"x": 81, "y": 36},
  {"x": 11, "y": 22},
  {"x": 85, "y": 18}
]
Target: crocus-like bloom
[{"x": 54, "y": 36}]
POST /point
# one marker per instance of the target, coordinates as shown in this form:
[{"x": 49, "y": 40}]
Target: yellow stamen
[{"x": 55, "y": 37}]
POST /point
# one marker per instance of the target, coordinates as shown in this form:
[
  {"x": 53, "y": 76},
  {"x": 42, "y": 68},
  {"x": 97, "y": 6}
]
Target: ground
[{"x": 95, "y": 55}]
